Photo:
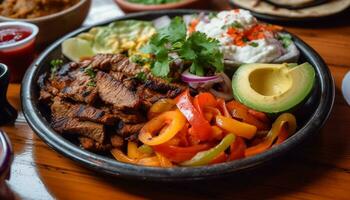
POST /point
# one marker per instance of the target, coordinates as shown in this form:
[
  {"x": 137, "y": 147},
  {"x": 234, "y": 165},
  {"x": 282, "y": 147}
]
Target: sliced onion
[
  {"x": 207, "y": 83},
  {"x": 227, "y": 93},
  {"x": 187, "y": 77},
  {"x": 161, "y": 22}
]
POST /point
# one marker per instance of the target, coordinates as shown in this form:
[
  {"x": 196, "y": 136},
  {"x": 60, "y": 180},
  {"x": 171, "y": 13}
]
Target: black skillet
[{"x": 311, "y": 117}]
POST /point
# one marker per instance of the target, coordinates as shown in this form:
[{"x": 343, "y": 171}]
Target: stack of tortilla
[{"x": 294, "y": 8}]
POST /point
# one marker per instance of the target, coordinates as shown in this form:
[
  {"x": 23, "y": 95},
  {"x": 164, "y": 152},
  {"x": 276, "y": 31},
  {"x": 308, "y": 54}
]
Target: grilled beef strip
[
  {"x": 62, "y": 108},
  {"x": 129, "y": 82},
  {"x": 88, "y": 129},
  {"x": 91, "y": 145},
  {"x": 64, "y": 121},
  {"x": 117, "y": 141},
  {"x": 113, "y": 92},
  {"x": 120, "y": 63},
  {"x": 126, "y": 130},
  {"x": 132, "y": 118},
  {"x": 79, "y": 90},
  {"x": 89, "y": 113}
]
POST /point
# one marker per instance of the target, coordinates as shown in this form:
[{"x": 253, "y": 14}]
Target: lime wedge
[{"x": 76, "y": 49}]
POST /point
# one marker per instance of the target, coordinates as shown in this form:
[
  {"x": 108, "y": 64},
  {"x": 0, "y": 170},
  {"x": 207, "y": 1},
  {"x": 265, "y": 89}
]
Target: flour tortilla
[
  {"x": 296, "y": 4},
  {"x": 326, "y": 9},
  {"x": 292, "y": 2}
]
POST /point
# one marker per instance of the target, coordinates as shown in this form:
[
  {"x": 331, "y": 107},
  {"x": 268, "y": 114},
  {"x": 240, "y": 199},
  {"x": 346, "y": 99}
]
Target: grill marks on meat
[
  {"x": 88, "y": 129},
  {"x": 93, "y": 114},
  {"x": 92, "y": 145},
  {"x": 64, "y": 120},
  {"x": 126, "y": 130},
  {"x": 79, "y": 90},
  {"x": 104, "y": 114},
  {"x": 129, "y": 117},
  {"x": 116, "y": 63},
  {"x": 115, "y": 92}
]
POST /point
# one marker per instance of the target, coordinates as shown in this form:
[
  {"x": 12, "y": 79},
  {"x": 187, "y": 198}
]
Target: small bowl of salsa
[{"x": 17, "y": 47}]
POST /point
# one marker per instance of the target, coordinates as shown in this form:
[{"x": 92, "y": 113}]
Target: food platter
[{"x": 314, "y": 113}]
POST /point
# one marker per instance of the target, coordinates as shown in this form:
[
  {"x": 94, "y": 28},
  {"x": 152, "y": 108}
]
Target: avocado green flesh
[{"x": 273, "y": 88}]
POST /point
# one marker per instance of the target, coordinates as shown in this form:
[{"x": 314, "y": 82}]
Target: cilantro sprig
[
  {"x": 286, "y": 40},
  {"x": 56, "y": 64},
  {"x": 199, "y": 50}
]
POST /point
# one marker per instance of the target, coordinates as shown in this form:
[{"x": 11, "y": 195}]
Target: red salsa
[
  {"x": 16, "y": 57},
  {"x": 13, "y": 34}
]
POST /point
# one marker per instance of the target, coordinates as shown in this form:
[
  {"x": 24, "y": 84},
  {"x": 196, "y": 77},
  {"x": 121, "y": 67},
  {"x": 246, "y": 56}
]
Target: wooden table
[{"x": 320, "y": 169}]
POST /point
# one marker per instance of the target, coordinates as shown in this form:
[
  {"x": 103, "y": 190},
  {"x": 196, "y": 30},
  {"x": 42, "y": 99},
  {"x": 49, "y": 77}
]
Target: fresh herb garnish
[
  {"x": 141, "y": 76},
  {"x": 91, "y": 84},
  {"x": 254, "y": 44},
  {"x": 286, "y": 39},
  {"x": 245, "y": 40},
  {"x": 90, "y": 72},
  {"x": 212, "y": 15},
  {"x": 198, "y": 49},
  {"x": 235, "y": 24},
  {"x": 55, "y": 65},
  {"x": 138, "y": 59}
]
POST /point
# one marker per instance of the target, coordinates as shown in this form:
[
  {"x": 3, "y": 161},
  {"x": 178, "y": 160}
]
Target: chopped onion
[
  {"x": 161, "y": 22},
  {"x": 187, "y": 77}
]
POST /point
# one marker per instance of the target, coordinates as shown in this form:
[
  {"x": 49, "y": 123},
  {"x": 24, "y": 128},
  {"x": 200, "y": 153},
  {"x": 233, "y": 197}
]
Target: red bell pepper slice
[
  {"x": 201, "y": 129},
  {"x": 203, "y": 100},
  {"x": 237, "y": 149},
  {"x": 223, "y": 108},
  {"x": 180, "y": 154},
  {"x": 222, "y": 157}
]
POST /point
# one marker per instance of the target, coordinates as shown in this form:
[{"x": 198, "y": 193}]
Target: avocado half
[{"x": 273, "y": 88}]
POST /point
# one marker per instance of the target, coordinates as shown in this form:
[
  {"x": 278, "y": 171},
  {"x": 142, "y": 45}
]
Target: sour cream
[{"x": 263, "y": 50}]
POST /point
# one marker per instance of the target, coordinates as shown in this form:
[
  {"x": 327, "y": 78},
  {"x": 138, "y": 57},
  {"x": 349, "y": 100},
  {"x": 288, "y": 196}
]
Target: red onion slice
[{"x": 187, "y": 77}]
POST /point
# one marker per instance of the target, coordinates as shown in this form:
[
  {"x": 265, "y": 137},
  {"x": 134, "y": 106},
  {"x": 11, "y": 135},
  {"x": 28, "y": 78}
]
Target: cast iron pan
[{"x": 311, "y": 116}]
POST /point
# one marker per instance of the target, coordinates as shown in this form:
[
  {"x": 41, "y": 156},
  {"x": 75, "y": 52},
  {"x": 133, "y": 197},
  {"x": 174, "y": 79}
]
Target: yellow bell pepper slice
[
  {"x": 236, "y": 127},
  {"x": 167, "y": 125},
  {"x": 148, "y": 161},
  {"x": 285, "y": 122},
  {"x": 160, "y": 107}
]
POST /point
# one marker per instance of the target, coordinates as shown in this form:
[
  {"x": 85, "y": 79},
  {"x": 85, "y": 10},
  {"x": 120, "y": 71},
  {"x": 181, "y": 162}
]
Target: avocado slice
[{"x": 273, "y": 88}]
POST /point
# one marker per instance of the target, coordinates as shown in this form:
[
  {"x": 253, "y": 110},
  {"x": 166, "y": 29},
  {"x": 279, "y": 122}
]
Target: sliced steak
[
  {"x": 89, "y": 113},
  {"x": 126, "y": 130},
  {"x": 114, "y": 92},
  {"x": 129, "y": 82},
  {"x": 116, "y": 63},
  {"x": 132, "y": 118},
  {"x": 79, "y": 90},
  {"x": 61, "y": 108},
  {"x": 69, "y": 125},
  {"x": 163, "y": 86},
  {"x": 149, "y": 97},
  {"x": 45, "y": 96},
  {"x": 117, "y": 141},
  {"x": 92, "y": 145}
]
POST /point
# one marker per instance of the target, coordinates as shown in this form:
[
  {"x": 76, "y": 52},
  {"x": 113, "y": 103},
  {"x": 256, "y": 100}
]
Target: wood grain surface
[{"x": 319, "y": 169}]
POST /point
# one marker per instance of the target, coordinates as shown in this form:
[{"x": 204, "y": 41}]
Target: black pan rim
[{"x": 112, "y": 167}]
